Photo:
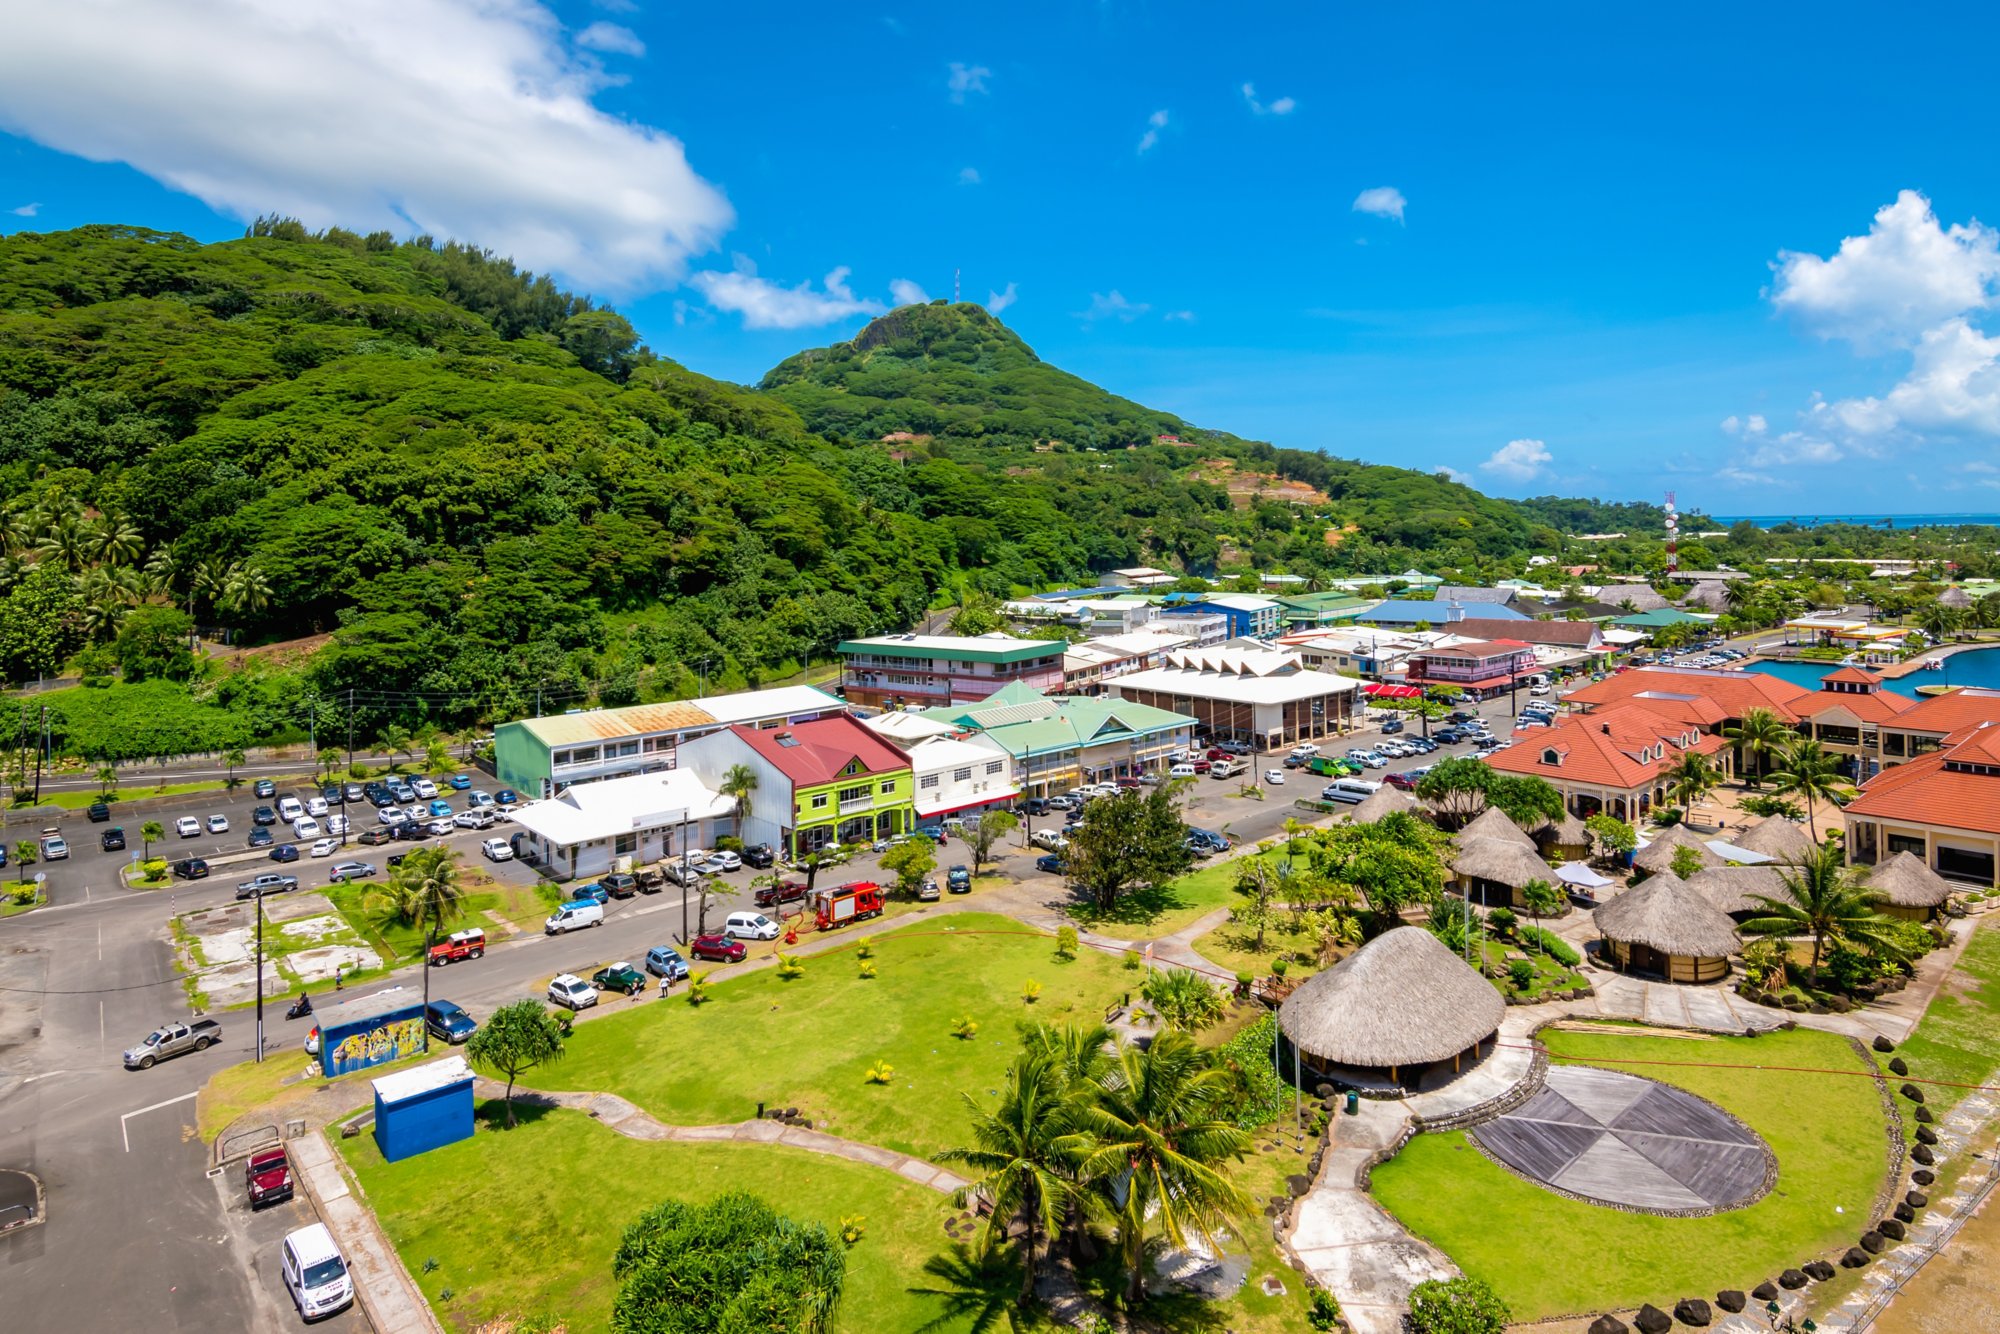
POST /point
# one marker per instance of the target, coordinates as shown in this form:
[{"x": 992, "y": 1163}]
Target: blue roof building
[{"x": 1437, "y": 615}]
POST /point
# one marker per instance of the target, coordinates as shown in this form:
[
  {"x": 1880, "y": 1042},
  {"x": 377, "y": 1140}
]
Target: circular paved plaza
[{"x": 1618, "y": 1139}]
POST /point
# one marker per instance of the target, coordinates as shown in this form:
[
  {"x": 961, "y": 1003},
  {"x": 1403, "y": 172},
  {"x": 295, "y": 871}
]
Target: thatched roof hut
[
  {"x": 1665, "y": 926},
  {"x": 1480, "y": 865},
  {"x": 1955, "y": 597},
  {"x": 1568, "y": 834},
  {"x": 1709, "y": 595},
  {"x": 1643, "y": 597},
  {"x": 1385, "y": 800},
  {"x": 1909, "y": 888},
  {"x": 1657, "y": 857},
  {"x": 1494, "y": 823},
  {"x": 1732, "y": 888},
  {"x": 1777, "y": 838},
  {"x": 1402, "y": 1000}
]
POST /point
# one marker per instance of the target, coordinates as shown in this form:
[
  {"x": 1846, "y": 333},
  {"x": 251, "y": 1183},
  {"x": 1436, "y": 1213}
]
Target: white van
[
  {"x": 1350, "y": 790},
  {"x": 314, "y": 1273},
  {"x": 1181, "y": 771},
  {"x": 289, "y": 809},
  {"x": 750, "y": 926},
  {"x": 574, "y": 917}
]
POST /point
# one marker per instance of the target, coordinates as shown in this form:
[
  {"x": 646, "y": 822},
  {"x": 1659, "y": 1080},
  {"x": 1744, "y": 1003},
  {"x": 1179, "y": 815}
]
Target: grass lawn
[
  {"x": 1546, "y": 1255},
  {"x": 81, "y": 799},
  {"x": 1234, "y": 949},
  {"x": 1178, "y": 903},
  {"x": 9, "y": 908},
  {"x": 503, "y": 909},
  {"x": 807, "y": 1043},
  {"x": 1549, "y": 973},
  {"x": 525, "y": 1221},
  {"x": 1958, "y": 1039}
]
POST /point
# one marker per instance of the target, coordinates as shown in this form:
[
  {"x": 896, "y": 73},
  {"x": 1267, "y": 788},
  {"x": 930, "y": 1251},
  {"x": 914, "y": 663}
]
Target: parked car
[
  {"x": 720, "y": 863},
  {"x": 1403, "y": 781},
  {"x": 1049, "y": 840},
  {"x": 449, "y": 1021},
  {"x": 284, "y": 852},
  {"x": 169, "y": 1040},
  {"x": 191, "y": 868},
  {"x": 267, "y": 1178},
  {"x": 460, "y": 782},
  {"x": 438, "y": 808},
  {"x": 958, "y": 880},
  {"x": 620, "y": 977},
  {"x": 620, "y": 885},
  {"x": 574, "y": 916},
  {"x": 314, "y": 1273},
  {"x": 98, "y": 812},
  {"x": 497, "y": 850},
  {"x": 507, "y": 796},
  {"x": 1391, "y": 726},
  {"x": 749, "y": 926},
  {"x": 1035, "y": 806},
  {"x": 112, "y": 839},
  {"x": 264, "y": 789},
  {"x": 591, "y": 893},
  {"x": 928, "y": 891},
  {"x": 475, "y": 820},
  {"x": 290, "y": 808},
  {"x": 54, "y": 847},
  {"x": 1052, "y": 864},
  {"x": 760, "y": 855},
  {"x": 1274, "y": 777},
  {"x": 317, "y": 806},
  {"x": 779, "y": 894},
  {"x": 439, "y": 828},
  {"x": 718, "y": 949},
  {"x": 306, "y": 827},
  {"x": 269, "y": 882},
  {"x": 324, "y": 847},
  {"x": 352, "y": 793},
  {"x": 374, "y": 838},
  {"x": 571, "y": 992},
  {"x": 188, "y": 827},
  {"x": 666, "y": 961},
  {"x": 335, "y": 824},
  {"x": 343, "y": 872},
  {"x": 424, "y": 788},
  {"x": 480, "y": 801},
  {"x": 686, "y": 874}
]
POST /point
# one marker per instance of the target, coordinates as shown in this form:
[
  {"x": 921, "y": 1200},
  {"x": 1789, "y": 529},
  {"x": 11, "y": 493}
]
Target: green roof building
[
  {"x": 928, "y": 671},
  {"x": 1061, "y": 742},
  {"x": 1654, "y": 620}
]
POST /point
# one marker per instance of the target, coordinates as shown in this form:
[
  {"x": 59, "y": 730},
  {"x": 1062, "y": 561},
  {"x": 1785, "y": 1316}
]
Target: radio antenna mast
[{"x": 1673, "y": 530}]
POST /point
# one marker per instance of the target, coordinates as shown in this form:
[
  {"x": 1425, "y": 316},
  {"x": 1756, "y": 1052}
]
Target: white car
[
  {"x": 497, "y": 850},
  {"x": 188, "y": 827},
  {"x": 421, "y": 814},
  {"x": 1181, "y": 771},
  {"x": 473, "y": 819},
  {"x": 722, "y": 861},
  {"x": 324, "y": 847},
  {"x": 1274, "y": 777},
  {"x": 1305, "y": 750},
  {"x": 316, "y": 806},
  {"x": 571, "y": 992},
  {"x": 392, "y": 816},
  {"x": 314, "y": 1274},
  {"x": 441, "y": 827},
  {"x": 218, "y": 824},
  {"x": 1048, "y": 840},
  {"x": 336, "y": 824},
  {"x": 506, "y": 813},
  {"x": 1538, "y": 690},
  {"x": 424, "y": 788},
  {"x": 289, "y": 809},
  {"x": 305, "y": 827},
  {"x": 749, "y": 926}
]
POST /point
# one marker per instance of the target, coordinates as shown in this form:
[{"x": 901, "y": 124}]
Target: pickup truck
[
  {"x": 267, "y": 1178},
  {"x": 1227, "y": 767},
  {"x": 171, "y": 1040},
  {"x": 268, "y": 883}
]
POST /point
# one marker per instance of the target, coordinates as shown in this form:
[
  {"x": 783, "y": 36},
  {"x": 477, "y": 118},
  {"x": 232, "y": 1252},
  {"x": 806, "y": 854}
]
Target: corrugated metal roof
[{"x": 567, "y": 729}]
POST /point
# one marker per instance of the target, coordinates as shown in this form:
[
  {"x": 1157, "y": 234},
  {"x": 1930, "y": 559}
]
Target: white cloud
[
  {"x": 999, "y": 301},
  {"x": 609, "y": 37},
  {"x": 1519, "y": 460},
  {"x": 1112, "y": 306},
  {"x": 26, "y": 210},
  {"x": 965, "y": 80},
  {"x": 1284, "y": 106},
  {"x": 906, "y": 293},
  {"x": 460, "y": 118},
  {"x": 766, "y": 305},
  {"x": 1752, "y": 425},
  {"x": 1183, "y": 316},
  {"x": 1953, "y": 387},
  {"x": 1744, "y": 477},
  {"x": 1885, "y": 289},
  {"x": 1154, "y": 124},
  {"x": 1384, "y": 201},
  {"x": 968, "y": 176}
]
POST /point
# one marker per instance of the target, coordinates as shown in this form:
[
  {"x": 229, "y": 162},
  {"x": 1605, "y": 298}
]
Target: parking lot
[{"x": 256, "y": 1235}]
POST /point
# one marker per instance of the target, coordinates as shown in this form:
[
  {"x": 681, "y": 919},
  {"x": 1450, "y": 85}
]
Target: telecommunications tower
[{"x": 1673, "y": 528}]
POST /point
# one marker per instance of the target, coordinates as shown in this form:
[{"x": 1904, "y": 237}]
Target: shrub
[
  {"x": 852, "y": 1228},
  {"x": 1551, "y": 944},
  {"x": 729, "y": 843},
  {"x": 867, "y": 971},
  {"x": 1456, "y": 1306},
  {"x": 1502, "y": 920},
  {"x": 1185, "y": 1000},
  {"x": 864, "y": 948},
  {"x": 1133, "y": 963},
  {"x": 697, "y": 991},
  {"x": 1031, "y": 991},
  {"x": 1260, "y": 1091},
  {"x": 1764, "y": 964},
  {"x": 1521, "y": 973},
  {"x": 791, "y": 967},
  {"x": 1066, "y": 943},
  {"x": 879, "y": 1073},
  {"x": 733, "y": 1263},
  {"x": 1323, "y": 1313},
  {"x": 965, "y": 1028},
  {"x": 1280, "y": 966}
]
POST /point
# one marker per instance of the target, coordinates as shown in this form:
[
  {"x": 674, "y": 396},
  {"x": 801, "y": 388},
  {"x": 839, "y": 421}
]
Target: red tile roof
[
  {"x": 1735, "y": 693},
  {"x": 1569, "y": 634},
  {"x": 1705, "y": 713},
  {"x": 1944, "y": 714},
  {"x": 1851, "y": 676},
  {"x": 1875, "y": 706},
  {"x": 1927, "y": 792},
  {"x": 813, "y": 753},
  {"x": 1604, "y": 748}
]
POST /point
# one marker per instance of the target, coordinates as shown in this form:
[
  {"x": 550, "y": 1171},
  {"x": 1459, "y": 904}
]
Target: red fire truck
[
  {"x": 458, "y": 945},
  {"x": 855, "y": 901}
]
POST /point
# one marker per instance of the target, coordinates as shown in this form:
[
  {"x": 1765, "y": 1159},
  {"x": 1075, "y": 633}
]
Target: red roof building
[
  {"x": 1613, "y": 759},
  {"x": 831, "y": 780},
  {"x": 1942, "y": 807},
  {"x": 1734, "y": 693}
]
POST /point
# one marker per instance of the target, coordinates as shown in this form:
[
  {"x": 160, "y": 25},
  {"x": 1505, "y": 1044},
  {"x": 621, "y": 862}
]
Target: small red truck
[
  {"x": 267, "y": 1177},
  {"x": 855, "y": 901},
  {"x": 457, "y": 946}
]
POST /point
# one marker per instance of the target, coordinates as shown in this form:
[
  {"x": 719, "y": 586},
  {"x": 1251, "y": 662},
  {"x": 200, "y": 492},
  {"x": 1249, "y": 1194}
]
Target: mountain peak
[{"x": 938, "y": 327}]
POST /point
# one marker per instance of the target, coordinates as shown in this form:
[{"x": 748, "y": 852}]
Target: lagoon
[{"x": 1973, "y": 667}]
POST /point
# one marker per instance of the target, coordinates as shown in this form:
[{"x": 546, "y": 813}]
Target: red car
[
  {"x": 785, "y": 891},
  {"x": 268, "y": 1178},
  {"x": 718, "y": 948}
]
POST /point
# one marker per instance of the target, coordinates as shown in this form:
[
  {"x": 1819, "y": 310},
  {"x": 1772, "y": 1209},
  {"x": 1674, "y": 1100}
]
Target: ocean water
[
  {"x": 1974, "y": 667},
  {"x": 1866, "y": 520}
]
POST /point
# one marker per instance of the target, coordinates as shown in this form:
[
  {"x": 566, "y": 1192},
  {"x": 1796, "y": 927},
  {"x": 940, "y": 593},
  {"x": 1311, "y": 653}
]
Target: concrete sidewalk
[{"x": 382, "y": 1286}]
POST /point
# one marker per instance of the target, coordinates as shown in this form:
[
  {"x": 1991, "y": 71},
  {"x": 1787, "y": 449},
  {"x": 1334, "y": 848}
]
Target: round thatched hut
[
  {"x": 1494, "y": 870},
  {"x": 1905, "y": 887},
  {"x": 1736, "y": 891},
  {"x": 1401, "y": 1008},
  {"x": 1567, "y": 838},
  {"x": 1777, "y": 838},
  {"x": 1657, "y": 857},
  {"x": 1384, "y": 800},
  {"x": 1665, "y": 926},
  {"x": 1495, "y": 823}
]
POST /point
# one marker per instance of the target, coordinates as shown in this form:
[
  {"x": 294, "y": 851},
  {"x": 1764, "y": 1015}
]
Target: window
[
  {"x": 819, "y": 802},
  {"x": 889, "y": 788},
  {"x": 962, "y": 775},
  {"x": 928, "y": 782},
  {"x": 1552, "y": 757},
  {"x": 994, "y": 766},
  {"x": 848, "y": 794},
  {"x": 625, "y": 843}
]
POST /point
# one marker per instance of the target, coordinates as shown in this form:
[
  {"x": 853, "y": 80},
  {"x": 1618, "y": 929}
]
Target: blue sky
[{"x": 1556, "y": 248}]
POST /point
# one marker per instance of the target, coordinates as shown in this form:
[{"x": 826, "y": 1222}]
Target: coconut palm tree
[
  {"x": 245, "y": 590},
  {"x": 68, "y": 542},
  {"x": 1691, "y": 779},
  {"x": 1151, "y": 1140},
  {"x": 437, "y": 755},
  {"x": 119, "y": 541},
  {"x": 150, "y": 833},
  {"x": 1761, "y": 734},
  {"x": 1022, "y": 1160},
  {"x": 1541, "y": 899},
  {"x": 231, "y": 759},
  {"x": 424, "y": 890},
  {"x": 1824, "y": 898},
  {"x": 740, "y": 786},
  {"x": 1939, "y": 621},
  {"x": 1811, "y": 771}
]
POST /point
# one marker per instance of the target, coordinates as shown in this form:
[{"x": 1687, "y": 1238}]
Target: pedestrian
[
  {"x": 665, "y": 982},
  {"x": 336, "y": 977}
]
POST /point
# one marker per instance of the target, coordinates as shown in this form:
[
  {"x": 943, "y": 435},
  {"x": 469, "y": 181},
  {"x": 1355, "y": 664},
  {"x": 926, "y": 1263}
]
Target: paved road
[{"x": 116, "y": 1149}]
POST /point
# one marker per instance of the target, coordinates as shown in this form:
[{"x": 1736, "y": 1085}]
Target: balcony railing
[{"x": 858, "y": 804}]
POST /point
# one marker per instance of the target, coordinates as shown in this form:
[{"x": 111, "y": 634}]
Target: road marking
[
  {"x": 126, "y": 1132},
  {"x": 100, "y": 938},
  {"x": 100, "y": 1016}
]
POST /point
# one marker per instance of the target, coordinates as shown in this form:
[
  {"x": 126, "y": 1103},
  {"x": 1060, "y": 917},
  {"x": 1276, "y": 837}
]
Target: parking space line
[{"x": 125, "y": 1131}]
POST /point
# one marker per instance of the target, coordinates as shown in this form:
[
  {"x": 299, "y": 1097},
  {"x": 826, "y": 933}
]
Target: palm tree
[
  {"x": 423, "y": 890},
  {"x": 68, "y": 542},
  {"x": 740, "y": 786},
  {"x": 329, "y": 760},
  {"x": 245, "y": 590},
  {"x": 1021, "y": 1159},
  {"x": 1541, "y": 899},
  {"x": 107, "y": 779},
  {"x": 1761, "y": 734},
  {"x": 1824, "y": 898},
  {"x": 1939, "y": 621},
  {"x": 437, "y": 755},
  {"x": 1812, "y": 772},
  {"x": 232, "y": 758},
  {"x": 119, "y": 541},
  {"x": 1738, "y": 594},
  {"x": 150, "y": 833},
  {"x": 1151, "y": 1139},
  {"x": 396, "y": 739},
  {"x": 1691, "y": 779}
]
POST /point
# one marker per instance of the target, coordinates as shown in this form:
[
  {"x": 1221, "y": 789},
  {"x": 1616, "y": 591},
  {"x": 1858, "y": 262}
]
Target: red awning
[{"x": 1382, "y": 691}]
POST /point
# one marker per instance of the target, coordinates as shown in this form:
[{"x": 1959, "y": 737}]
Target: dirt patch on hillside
[
  {"x": 1245, "y": 487},
  {"x": 285, "y": 653}
]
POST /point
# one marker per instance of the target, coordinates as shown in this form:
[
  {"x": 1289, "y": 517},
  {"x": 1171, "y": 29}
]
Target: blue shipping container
[
  {"x": 424, "y": 1108},
  {"x": 375, "y": 1030}
]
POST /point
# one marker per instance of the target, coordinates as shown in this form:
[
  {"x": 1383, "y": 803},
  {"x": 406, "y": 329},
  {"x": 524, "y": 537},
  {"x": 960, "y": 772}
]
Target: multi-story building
[
  {"x": 1061, "y": 742},
  {"x": 593, "y": 828},
  {"x": 539, "y": 757},
  {"x": 1250, "y": 615},
  {"x": 1143, "y": 576},
  {"x": 959, "y": 772},
  {"x": 1614, "y": 759},
  {"x": 925, "y": 671},
  {"x": 827, "y": 781},
  {"x": 1087, "y": 666},
  {"x": 1263, "y": 696},
  {"x": 1479, "y": 667},
  {"x": 1942, "y": 807}
]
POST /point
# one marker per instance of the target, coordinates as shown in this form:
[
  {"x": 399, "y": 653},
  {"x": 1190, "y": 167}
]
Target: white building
[
  {"x": 595, "y": 828},
  {"x": 1088, "y": 665},
  {"x": 961, "y": 773},
  {"x": 1261, "y": 695},
  {"x": 1143, "y": 576},
  {"x": 1365, "y": 650}
]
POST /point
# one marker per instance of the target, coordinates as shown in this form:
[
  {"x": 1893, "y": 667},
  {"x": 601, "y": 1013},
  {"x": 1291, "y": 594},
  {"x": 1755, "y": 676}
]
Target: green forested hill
[{"x": 474, "y": 484}]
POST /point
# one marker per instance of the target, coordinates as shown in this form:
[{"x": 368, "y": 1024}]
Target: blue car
[
  {"x": 284, "y": 852},
  {"x": 591, "y": 893},
  {"x": 448, "y": 1021},
  {"x": 460, "y": 782},
  {"x": 1051, "y": 863},
  {"x": 440, "y": 808},
  {"x": 507, "y": 796},
  {"x": 260, "y": 837},
  {"x": 666, "y": 961}
]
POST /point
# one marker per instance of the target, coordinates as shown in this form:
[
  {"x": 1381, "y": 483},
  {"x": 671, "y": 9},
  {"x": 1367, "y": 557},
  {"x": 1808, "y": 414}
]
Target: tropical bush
[
  {"x": 1456, "y": 1306},
  {"x": 1261, "y": 1092},
  {"x": 734, "y": 1263},
  {"x": 1551, "y": 944}
]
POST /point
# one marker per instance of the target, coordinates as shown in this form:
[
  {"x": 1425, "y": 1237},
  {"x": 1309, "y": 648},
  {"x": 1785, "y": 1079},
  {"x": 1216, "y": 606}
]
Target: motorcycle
[{"x": 300, "y": 1008}]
